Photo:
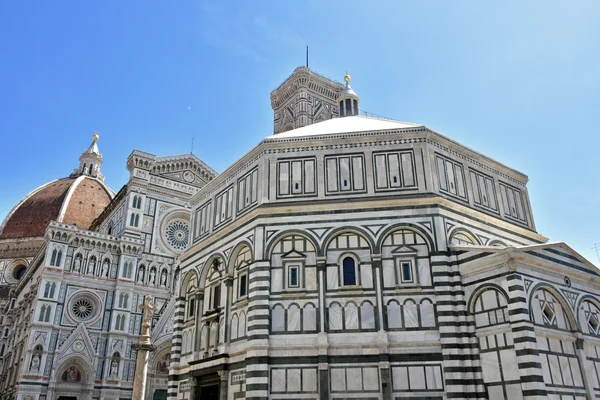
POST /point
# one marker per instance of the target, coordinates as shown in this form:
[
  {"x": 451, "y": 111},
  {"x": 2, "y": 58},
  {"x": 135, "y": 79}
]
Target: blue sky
[{"x": 517, "y": 81}]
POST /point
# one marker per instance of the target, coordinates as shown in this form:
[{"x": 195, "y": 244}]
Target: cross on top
[{"x": 146, "y": 308}]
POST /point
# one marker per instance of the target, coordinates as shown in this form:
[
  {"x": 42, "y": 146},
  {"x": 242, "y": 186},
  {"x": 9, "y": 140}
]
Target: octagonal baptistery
[{"x": 320, "y": 263}]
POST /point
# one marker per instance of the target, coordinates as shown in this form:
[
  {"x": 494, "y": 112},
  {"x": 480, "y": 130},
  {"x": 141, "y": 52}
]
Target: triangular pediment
[
  {"x": 404, "y": 250},
  {"x": 77, "y": 343},
  {"x": 293, "y": 254}
]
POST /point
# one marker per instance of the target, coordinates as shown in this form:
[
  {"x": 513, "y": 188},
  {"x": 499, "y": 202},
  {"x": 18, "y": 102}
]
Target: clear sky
[{"x": 517, "y": 81}]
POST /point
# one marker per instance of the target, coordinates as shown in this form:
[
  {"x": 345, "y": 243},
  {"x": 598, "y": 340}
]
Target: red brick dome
[{"x": 74, "y": 200}]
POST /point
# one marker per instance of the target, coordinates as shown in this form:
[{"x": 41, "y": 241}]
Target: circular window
[
  {"x": 83, "y": 307},
  {"x": 177, "y": 234},
  {"x": 19, "y": 271}
]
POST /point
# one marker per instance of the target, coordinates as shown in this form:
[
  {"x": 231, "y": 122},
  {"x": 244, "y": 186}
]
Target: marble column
[
  {"x": 143, "y": 348},
  {"x": 223, "y": 385},
  {"x": 199, "y": 297},
  {"x": 207, "y": 339},
  {"x": 228, "y": 300}
]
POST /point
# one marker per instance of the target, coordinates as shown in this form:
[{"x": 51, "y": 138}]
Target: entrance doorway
[
  {"x": 209, "y": 392},
  {"x": 160, "y": 394}
]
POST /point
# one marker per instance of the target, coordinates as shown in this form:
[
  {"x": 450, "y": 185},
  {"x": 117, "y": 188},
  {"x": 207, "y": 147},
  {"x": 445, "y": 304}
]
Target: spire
[
  {"x": 348, "y": 101},
  {"x": 90, "y": 160}
]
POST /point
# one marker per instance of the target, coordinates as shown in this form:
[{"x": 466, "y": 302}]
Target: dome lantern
[
  {"x": 91, "y": 160},
  {"x": 348, "y": 101}
]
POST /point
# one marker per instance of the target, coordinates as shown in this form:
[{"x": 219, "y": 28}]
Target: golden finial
[
  {"x": 95, "y": 137},
  {"x": 347, "y": 78}
]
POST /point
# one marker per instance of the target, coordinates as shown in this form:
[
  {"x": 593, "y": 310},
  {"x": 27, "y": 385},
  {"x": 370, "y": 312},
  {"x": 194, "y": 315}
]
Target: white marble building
[
  {"x": 344, "y": 257},
  {"x": 362, "y": 258}
]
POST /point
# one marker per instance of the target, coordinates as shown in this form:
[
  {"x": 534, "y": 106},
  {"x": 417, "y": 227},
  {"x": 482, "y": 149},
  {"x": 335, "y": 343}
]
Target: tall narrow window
[
  {"x": 53, "y": 259},
  {"x": 58, "y": 258},
  {"x": 216, "y": 301},
  {"x": 349, "y": 271},
  {"x": 132, "y": 220},
  {"x": 137, "y": 220},
  {"x": 406, "y": 271},
  {"x": 52, "y": 289},
  {"x": 293, "y": 280},
  {"x": 47, "y": 290},
  {"x": 91, "y": 168},
  {"x": 243, "y": 285}
]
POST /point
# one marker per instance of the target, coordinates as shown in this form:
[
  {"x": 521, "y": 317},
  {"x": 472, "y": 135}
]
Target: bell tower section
[{"x": 303, "y": 99}]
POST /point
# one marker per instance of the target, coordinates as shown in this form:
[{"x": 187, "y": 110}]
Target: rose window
[
  {"x": 178, "y": 234},
  {"x": 82, "y": 308}
]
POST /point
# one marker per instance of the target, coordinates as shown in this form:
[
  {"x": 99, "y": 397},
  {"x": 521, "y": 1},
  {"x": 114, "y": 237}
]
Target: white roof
[{"x": 345, "y": 125}]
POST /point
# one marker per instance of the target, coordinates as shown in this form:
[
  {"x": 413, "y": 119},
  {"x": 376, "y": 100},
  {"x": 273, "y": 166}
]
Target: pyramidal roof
[{"x": 344, "y": 125}]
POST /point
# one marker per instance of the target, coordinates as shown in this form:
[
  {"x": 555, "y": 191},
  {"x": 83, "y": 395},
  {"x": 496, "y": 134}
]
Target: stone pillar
[
  {"x": 228, "y": 300},
  {"x": 257, "y": 353},
  {"x": 321, "y": 271},
  {"x": 589, "y": 384},
  {"x": 206, "y": 338},
  {"x": 523, "y": 332},
  {"x": 376, "y": 264},
  {"x": 323, "y": 381},
  {"x": 223, "y": 385},
  {"x": 143, "y": 348},
  {"x": 461, "y": 363},
  {"x": 141, "y": 370},
  {"x": 176, "y": 347},
  {"x": 386, "y": 382},
  {"x": 199, "y": 297},
  {"x": 194, "y": 389}
]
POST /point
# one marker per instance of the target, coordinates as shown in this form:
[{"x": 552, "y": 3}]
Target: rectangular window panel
[
  {"x": 449, "y": 168},
  {"x": 381, "y": 171},
  {"x": 309, "y": 176},
  {"x": 254, "y": 190},
  {"x": 394, "y": 170},
  {"x": 247, "y": 200},
  {"x": 284, "y": 170},
  {"x": 512, "y": 200},
  {"x": 357, "y": 173},
  {"x": 345, "y": 174},
  {"x": 441, "y": 174},
  {"x": 241, "y": 194},
  {"x": 332, "y": 174},
  {"x": 297, "y": 177},
  {"x": 476, "y": 190},
  {"x": 489, "y": 188},
  {"x": 408, "y": 177},
  {"x": 451, "y": 177}
]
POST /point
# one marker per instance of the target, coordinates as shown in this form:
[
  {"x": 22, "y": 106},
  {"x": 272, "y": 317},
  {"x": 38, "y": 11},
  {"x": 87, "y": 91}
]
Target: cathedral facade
[{"x": 343, "y": 257}]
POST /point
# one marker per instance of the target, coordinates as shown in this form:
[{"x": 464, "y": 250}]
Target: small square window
[
  {"x": 293, "y": 280},
  {"x": 243, "y": 285}
]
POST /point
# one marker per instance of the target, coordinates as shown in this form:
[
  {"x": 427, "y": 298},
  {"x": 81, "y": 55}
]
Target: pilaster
[{"x": 524, "y": 338}]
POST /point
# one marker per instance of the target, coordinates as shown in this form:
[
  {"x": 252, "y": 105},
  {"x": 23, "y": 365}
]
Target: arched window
[
  {"x": 137, "y": 220},
  {"x": 45, "y": 313},
  {"x": 120, "y": 323},
  {"x": 349, "y": 271},
  {"x": 58, "y": 258},
  {"x": 123, "y": 300},
  {"x": 132, "y": 220},
  {"x": 47, "y": 290},
  {"x": 52, "y": 289},
  {"x": 91, "y": 169},
  {"x": 53, "y": 258},
  {"x": 191, "y": 301}
]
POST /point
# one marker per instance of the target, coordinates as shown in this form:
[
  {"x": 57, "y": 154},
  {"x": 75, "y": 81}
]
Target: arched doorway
[{"x": 73, "y": 381}]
